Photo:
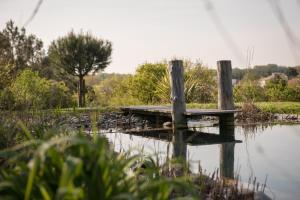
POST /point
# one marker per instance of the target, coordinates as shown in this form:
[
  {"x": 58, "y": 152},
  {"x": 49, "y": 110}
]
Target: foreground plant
[{"x": 75, "y": 167}]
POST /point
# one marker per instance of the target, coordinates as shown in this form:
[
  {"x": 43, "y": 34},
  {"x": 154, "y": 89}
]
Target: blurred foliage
[
  {"x": 75, "y": 167},
  {"x": 275, "y": 89},
  {"x": 18, "y": 51},
  {"x": 260, "y": 71}
]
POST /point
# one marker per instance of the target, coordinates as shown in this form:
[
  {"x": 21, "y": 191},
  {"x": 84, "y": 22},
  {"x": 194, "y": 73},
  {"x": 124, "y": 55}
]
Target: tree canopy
[
  {"x": 18, "y": 51},
  {"x": 79, "y": 55}
]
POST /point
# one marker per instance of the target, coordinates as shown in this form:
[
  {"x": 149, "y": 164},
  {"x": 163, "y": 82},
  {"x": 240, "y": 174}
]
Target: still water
[{"x": 264, "y": 151}]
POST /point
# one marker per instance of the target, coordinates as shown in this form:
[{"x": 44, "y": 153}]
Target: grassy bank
[{"x": 271, "y": 107}]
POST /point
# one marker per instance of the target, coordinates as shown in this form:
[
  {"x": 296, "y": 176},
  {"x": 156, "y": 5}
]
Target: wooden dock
[
  {"x": 166, "y": 111},
  {"x": 178, "y": 112}
]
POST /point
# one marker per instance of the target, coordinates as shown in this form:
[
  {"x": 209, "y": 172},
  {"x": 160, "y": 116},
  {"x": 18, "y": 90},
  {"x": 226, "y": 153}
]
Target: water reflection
[
  {"x": 180, "y": 139},
  {"x": 179, "y": 144},
  {"x": 227, "y": 160}
]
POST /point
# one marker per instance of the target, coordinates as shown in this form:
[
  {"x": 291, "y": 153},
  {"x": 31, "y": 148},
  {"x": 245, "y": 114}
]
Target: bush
[
  {"x": 276, "y": 89},
  {"x": 248, "y": 91},
  {"x": 30, "y": 91},
  {"x": 294, "y": 89}
]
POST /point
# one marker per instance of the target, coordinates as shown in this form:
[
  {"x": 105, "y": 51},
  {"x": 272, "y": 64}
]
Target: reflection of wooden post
[
  {"x": 179, "y": 145},
  {"x": 227, "y": 160},
  {"x": 225, "y": 97},
  {"x": 179, "y": 152},
  {"x": 177, "y": 94},
  {"x": 226, "y": 125}
]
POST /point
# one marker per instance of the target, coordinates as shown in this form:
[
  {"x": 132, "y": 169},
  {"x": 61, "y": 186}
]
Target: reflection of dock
[
  {"x": 180, "y": 138},
  {"x": 190, "y": 137}
]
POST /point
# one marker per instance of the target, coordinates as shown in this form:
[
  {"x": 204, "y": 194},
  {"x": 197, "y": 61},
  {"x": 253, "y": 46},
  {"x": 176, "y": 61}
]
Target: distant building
[
  {"x": 234, "y": 82},
  {"x": 263, "y": 81}
]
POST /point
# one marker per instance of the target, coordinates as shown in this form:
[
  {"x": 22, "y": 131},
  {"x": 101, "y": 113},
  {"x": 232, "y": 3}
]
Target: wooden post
[
  {"x": 177, "y": 94},
  {"x": 225, "y": 97},
  {"x": 225, "y": 94}
]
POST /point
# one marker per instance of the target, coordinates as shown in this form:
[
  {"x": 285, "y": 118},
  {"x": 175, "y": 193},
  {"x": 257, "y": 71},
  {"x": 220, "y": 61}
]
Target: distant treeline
[{"x": 260, "y": 71}]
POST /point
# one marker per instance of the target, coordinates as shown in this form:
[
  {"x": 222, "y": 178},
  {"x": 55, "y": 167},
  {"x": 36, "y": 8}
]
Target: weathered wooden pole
[
  {"x": 225, "y": 94},
  {"x": 177, "y": 94},
  {"x": 225, "y": 97}
]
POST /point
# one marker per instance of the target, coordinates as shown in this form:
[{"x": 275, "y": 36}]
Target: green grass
[
  {"x": 271, "y": 107},
  {"x": 280, "y": 107},
  {"x": 203, "y": 105}
]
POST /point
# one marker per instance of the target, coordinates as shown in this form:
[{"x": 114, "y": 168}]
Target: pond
[{"x": 269, "y": 153}]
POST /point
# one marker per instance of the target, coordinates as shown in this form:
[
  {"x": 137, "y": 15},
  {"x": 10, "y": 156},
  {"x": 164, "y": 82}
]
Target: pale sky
[{"x": 154, "y": 30}]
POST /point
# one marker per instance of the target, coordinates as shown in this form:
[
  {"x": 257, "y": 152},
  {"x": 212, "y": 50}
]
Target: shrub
[
  {"x": 294, "y": 89},
  {"x": 31, "y": 91},
  {"x": 276, "y": 89},
  {"x": 248, "y": 91}
]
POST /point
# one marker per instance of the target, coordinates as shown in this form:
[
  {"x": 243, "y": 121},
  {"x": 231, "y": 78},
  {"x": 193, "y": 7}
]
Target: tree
[
  {"x": 18, "y": 51},
  {"x": 79, "y": 55}
]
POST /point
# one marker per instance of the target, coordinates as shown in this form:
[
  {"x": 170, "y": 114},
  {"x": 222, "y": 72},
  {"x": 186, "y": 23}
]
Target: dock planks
[{"x": 167, "y": 111}]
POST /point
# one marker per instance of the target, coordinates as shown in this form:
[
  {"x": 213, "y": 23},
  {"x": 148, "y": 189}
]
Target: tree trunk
[{"x": 81, "y": 92}]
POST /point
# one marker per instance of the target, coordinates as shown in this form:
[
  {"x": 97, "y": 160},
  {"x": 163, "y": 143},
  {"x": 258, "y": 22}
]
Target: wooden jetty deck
[{"x": 166, "y": 111}]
